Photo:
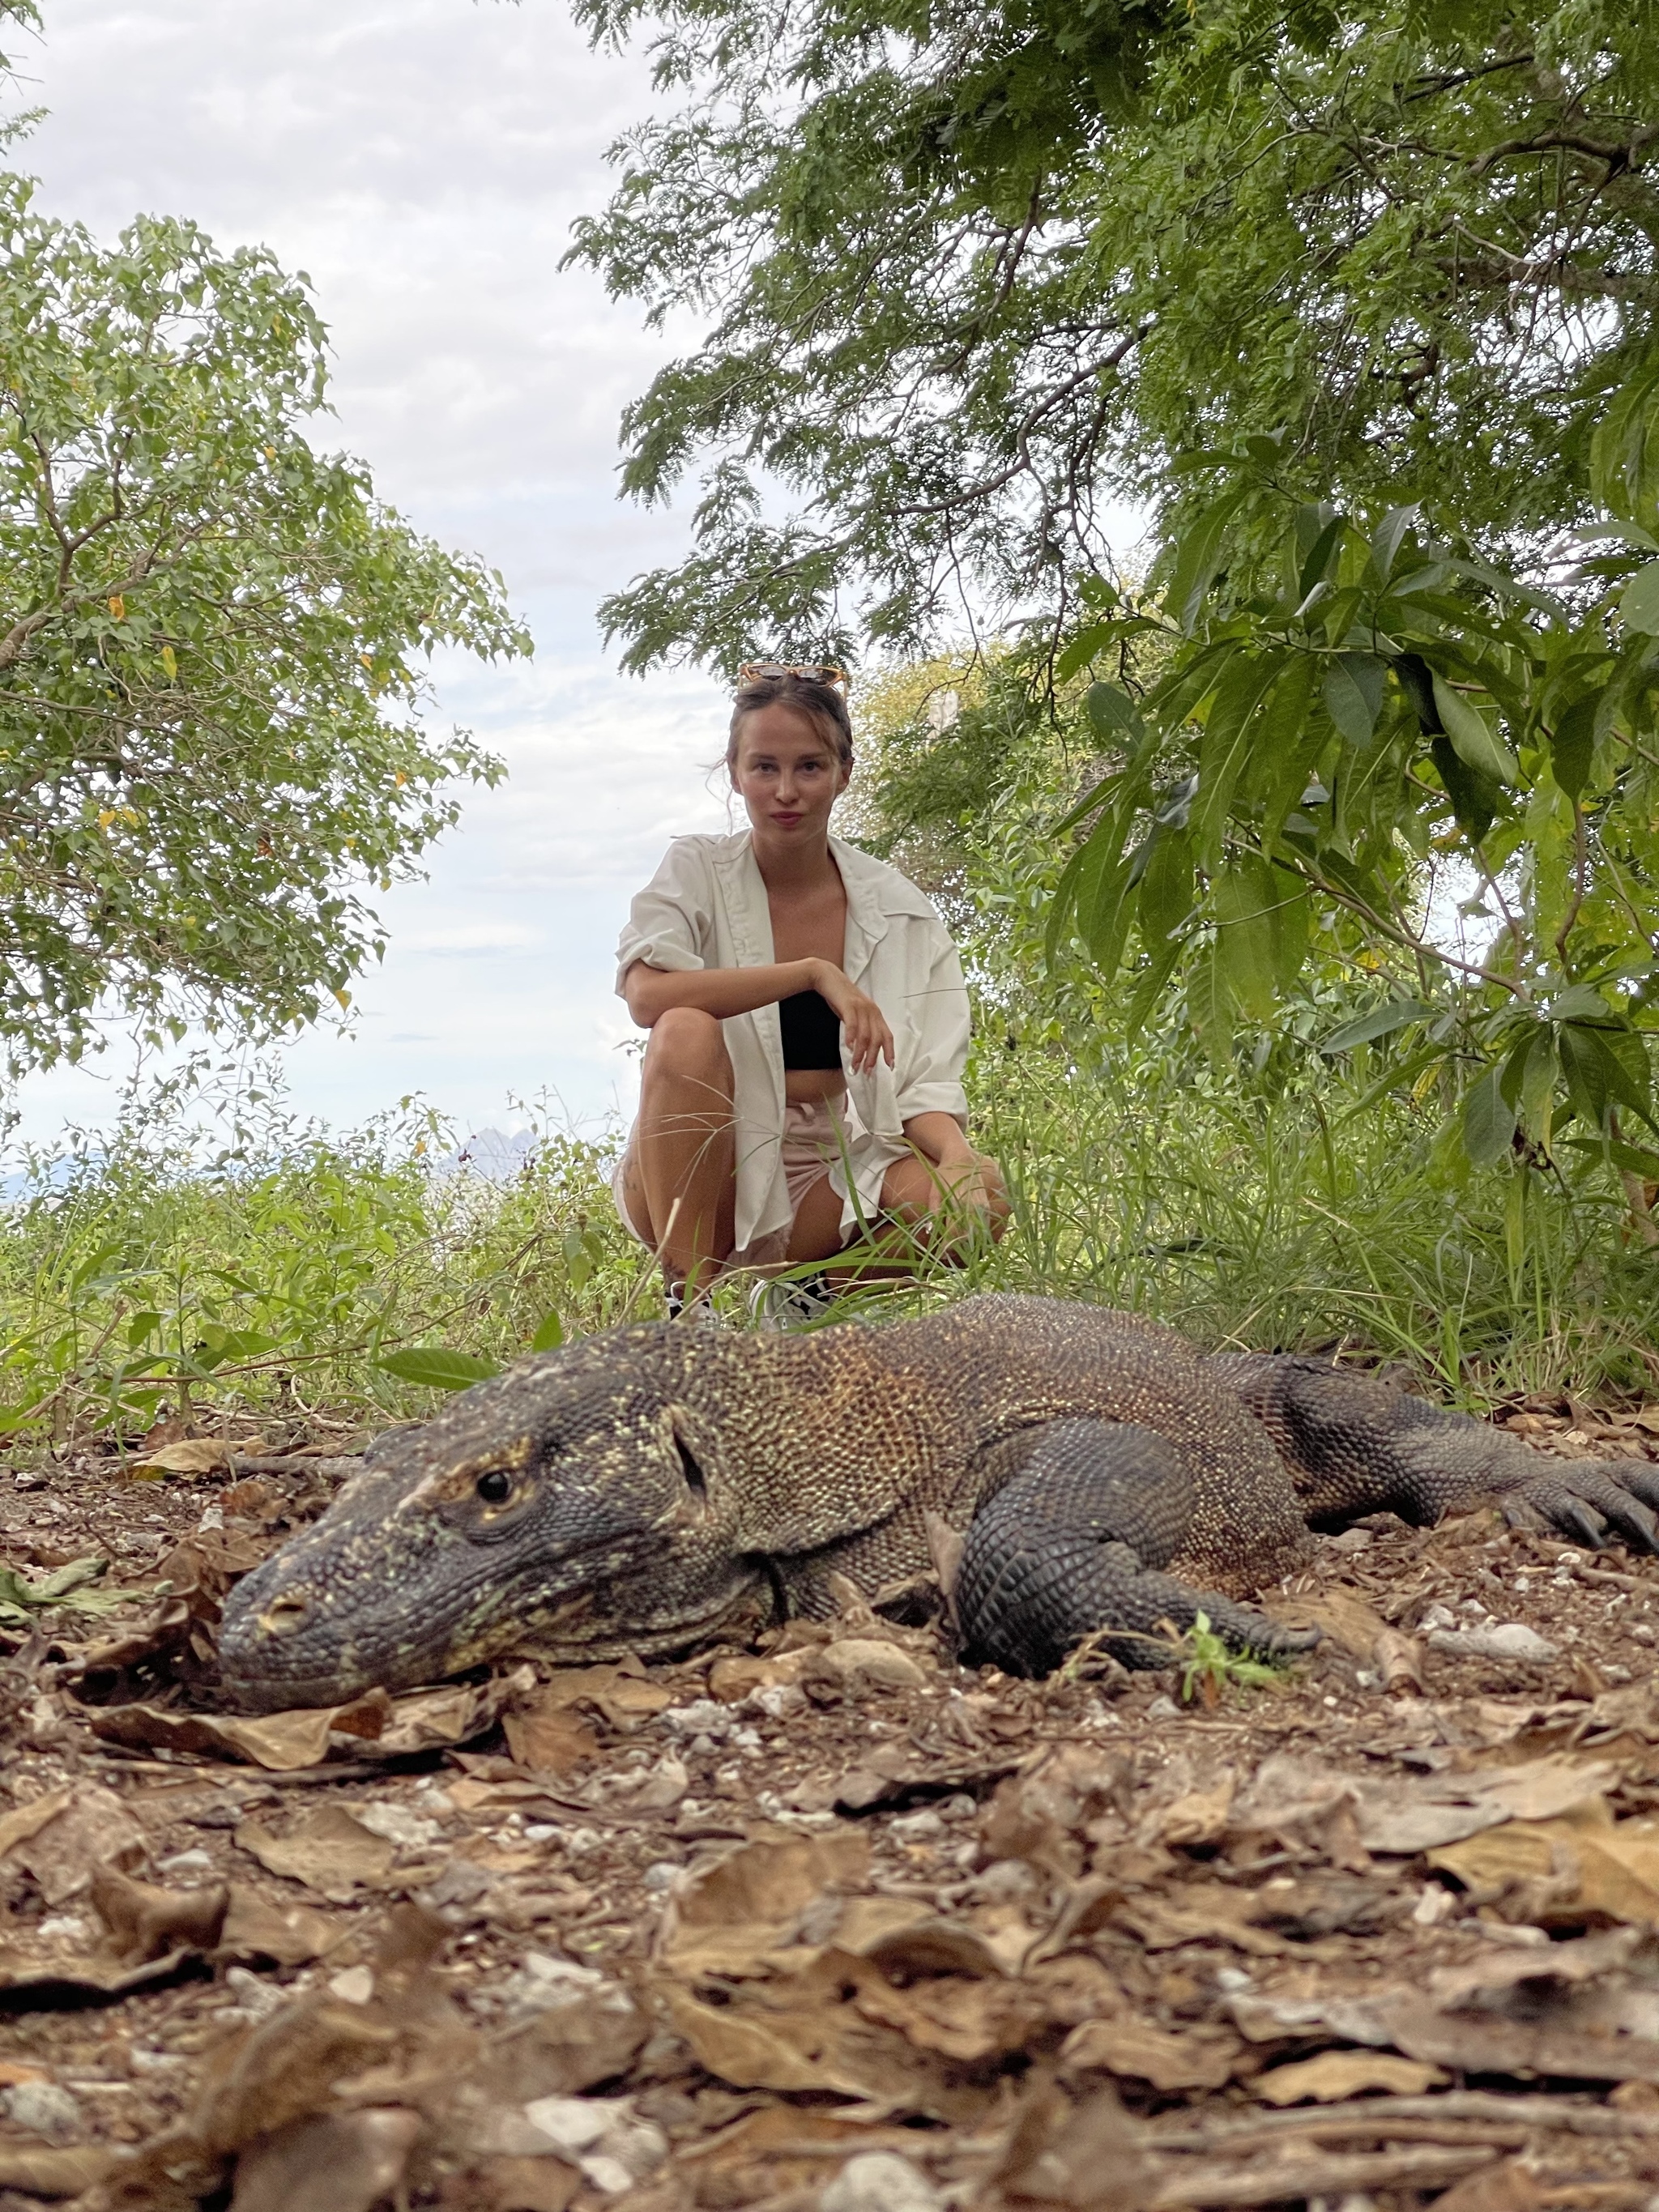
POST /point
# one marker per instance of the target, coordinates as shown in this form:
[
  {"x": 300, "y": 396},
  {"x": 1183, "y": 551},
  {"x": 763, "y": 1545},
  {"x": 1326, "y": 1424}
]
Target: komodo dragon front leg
[
  {"x": 1071, "y": 1548},
  {"x": 1356, "y": 1445}
]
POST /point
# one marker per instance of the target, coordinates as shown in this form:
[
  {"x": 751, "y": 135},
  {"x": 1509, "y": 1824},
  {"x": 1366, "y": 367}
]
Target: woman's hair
[{"x": 822, "y": 704}]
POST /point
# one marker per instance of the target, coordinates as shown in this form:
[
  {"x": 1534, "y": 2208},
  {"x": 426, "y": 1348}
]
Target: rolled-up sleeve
[
  {"x": 930, "y": 1081},
  {"x": 670, "y": 921}
]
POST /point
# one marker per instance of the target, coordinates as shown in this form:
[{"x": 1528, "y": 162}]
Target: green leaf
[
  {"x": 550, "y": 1335},
  {"x": 1472, "y": 736},
  {"x": 1198, "y": 557},
  {"x": 1244, "y": 902},
  {"x": 1573, "y": 744},
  {"x": 1166, "y": 889},
  {"x": 1082, "y": 649},
  {"x": 439, "y": 1368},
  {"x": 1226, "y": 744},
  {"x": 1489, "y": 1121},
  {"x": 1475, "y": 799},
  {"x": 1595, "y": 1076},
  {"x": 1353, "y": 694},
  {"x": 1638, "y": 603},
  {"x": 1388, "y": 537},
  {"x": 1111, "y": 711},
  {"x": 1380, "y": 1022},
  {"x": 1635, "y": 1160}
]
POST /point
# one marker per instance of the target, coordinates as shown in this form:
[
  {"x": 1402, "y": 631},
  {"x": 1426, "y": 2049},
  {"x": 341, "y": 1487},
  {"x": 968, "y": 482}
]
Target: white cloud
[{"x": 423, "y": 159}]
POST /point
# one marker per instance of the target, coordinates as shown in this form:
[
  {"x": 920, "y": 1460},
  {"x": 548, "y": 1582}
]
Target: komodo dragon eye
[{"x": 495, "y": 1487}]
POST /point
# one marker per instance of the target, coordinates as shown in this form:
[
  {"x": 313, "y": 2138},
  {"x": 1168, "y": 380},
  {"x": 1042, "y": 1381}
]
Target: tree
[
  {"x": 213, "y": 642},
  {"x": 972, "y": 272}
]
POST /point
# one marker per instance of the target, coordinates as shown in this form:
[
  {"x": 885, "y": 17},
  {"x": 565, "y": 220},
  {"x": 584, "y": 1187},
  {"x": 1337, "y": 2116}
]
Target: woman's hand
[{"x": 862, "y": 1023}]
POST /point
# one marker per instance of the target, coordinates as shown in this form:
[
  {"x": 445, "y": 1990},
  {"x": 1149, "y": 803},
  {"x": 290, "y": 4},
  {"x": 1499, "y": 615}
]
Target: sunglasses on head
[{"x": 758, "y": 672}]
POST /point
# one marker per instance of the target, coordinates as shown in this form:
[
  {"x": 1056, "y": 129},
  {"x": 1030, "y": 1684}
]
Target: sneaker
[
  {"x": 792, "y": 1301},
  {"x": 698, "y": 1312}
]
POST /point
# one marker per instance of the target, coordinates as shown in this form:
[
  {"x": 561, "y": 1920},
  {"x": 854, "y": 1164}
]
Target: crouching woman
[{"x": 801, "y": 1098}]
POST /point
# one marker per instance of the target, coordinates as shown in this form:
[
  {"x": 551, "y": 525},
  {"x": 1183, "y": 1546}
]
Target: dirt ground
[{"x": 838, "y": 1923}]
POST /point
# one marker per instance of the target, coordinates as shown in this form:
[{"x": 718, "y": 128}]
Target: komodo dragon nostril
[{"x": 284, "y": 1615}]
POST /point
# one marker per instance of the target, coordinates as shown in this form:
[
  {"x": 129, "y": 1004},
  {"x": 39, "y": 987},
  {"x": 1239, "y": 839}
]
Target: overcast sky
[{"x": 422, "y": 160}]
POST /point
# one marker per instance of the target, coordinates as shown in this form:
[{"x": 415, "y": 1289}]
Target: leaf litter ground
[{"x": 836, "y": 1925}]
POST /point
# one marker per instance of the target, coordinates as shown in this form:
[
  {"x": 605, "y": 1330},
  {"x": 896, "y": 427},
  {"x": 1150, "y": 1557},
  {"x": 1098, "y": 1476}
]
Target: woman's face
[{"x": 787, "y": 773}]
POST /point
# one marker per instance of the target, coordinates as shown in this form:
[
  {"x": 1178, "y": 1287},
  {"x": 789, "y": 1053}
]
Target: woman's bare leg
[
  {"x": 917, "y": 1213},
  {"x": 682, "y": 1175}
]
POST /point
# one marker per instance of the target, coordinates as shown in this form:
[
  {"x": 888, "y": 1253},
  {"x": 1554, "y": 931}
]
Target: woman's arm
[
  {"x": 723, "y": 992},
  {"x": 939, "y": 1138}
]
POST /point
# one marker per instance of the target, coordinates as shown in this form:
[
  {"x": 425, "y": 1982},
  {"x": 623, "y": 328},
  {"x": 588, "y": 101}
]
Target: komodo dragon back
[{"x": 656, "y": 1486}]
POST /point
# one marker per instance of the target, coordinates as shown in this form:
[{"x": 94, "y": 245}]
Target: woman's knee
[{"x": 686, "y": 1041}]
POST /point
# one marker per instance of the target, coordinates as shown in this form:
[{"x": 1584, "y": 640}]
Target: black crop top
[{"x": 812, "y": 1030}]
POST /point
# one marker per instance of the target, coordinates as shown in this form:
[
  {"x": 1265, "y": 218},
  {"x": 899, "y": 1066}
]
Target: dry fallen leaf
[
  {"x": 1565, "y": 1870},
  {"x": 552, "y": 1742},
  {"x": 1136, "y": 2049},
  {"x": 1336, "y": 2074},
  {"x": 146, "y": 1922},
  {"x": 93, "y": 1828},
  {"x": 191, "y": 1455},
  {"x": 328, "y": 1850}
]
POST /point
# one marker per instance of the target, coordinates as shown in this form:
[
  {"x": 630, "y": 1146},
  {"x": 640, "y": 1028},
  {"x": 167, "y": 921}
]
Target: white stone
[
  {"x": 880, "y": 2181},
  {"x": 258, "y": 1999},
  {"x": 43, "y": 2109},
  {"x": 703, "y": 1717},
  {"x": 396, "y": 1823},
  {"x": 353, "y": 1985},
  {"x": 658, "y": 1876},
  {"x": 574, "y": 2124},
  {"x": 1509, "y": 1639}
]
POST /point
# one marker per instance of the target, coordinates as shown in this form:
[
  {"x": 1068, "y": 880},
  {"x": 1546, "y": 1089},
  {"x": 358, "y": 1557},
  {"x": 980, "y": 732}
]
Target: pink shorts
[{"x": 814, "y": 1145}]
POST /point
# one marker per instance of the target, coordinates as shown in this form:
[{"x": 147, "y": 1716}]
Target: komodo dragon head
[{"x": 578, "y": 1492}]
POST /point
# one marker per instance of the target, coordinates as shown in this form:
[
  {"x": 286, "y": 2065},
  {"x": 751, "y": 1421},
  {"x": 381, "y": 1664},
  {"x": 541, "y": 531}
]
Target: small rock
[
  {"x": 29, "y": 1478},
  {"x": 658, "y": 1876},
  {"x": 880, "y": 2181},
  {"x": 213, "y": 1517},
  {"x": 352, "y": 1985},
  {"x": 43, "y": 2109},
  {"x": 918, "y": 1827},
  {"x": 703, "y": 1717},
  {"x": 186, "y": 1862},
  {"x": 1163, "y": 1708},
  {"x": 153, "y": 2061},
  {"x": 856, "y": 1663},
  {"x": 462, "y": 1882},
  {"x": 396, "y": 1823},
  {"x": 255, "y": 1999},
  {"x": 1433, "y": 1906},
  {"x": 1508, "y": 1639},
  {"x": 778, "y": 1699},
  {"x": 1438, "y": 1616},
  {"x": 64, "y": 1928}
]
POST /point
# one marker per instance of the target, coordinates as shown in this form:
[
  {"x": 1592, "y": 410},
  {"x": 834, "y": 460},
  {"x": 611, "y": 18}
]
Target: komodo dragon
[{"x": 643, "y": 1490}]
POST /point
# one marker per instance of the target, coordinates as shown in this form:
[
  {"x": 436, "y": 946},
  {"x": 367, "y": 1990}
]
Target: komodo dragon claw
[{"x": 650, "y": 1488}]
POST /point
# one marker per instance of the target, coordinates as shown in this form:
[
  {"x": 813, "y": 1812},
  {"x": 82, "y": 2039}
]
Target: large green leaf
[
  {"x": 438, "y": 1367},
  {"x": 1489, "y": 1121},
  {"x": 1379, "y": 1022},
  {"x": 1245, "y": 898},
  {"x": 1472, "y": 735},
  {"x": 1353, "y": 694},
  {"x": 1638, "y": 603},
  {"x": 1198, "y": 557},
  {"x": 1225, "y": 746}
]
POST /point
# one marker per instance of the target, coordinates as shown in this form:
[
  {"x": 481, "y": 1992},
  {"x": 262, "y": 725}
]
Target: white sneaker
[{"x": 792, "y": 1302}]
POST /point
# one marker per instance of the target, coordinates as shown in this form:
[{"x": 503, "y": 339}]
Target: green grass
[{"x": 1290, "y": 1208}]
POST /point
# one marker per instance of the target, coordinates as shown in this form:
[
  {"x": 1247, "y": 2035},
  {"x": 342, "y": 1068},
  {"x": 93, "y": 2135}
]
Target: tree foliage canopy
[
  {"x": 213, "y": 646},
  {"x": 973, "y": 270}
]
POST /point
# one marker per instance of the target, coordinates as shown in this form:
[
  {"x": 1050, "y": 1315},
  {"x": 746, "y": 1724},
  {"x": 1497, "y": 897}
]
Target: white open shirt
[{"x": 706, "y": 906}]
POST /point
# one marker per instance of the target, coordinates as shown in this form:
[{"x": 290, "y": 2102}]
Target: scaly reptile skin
[{"x": 644, "y": 1490}]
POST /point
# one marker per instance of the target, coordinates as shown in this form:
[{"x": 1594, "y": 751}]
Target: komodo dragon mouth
[{"x": 651, "y": 1487}]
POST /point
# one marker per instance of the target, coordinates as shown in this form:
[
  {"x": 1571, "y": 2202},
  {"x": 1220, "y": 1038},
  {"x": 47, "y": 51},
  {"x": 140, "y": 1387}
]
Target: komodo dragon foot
[
  {"x": 1355, "y": 1444},
  {"x": 1071, "y": 1548}
]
